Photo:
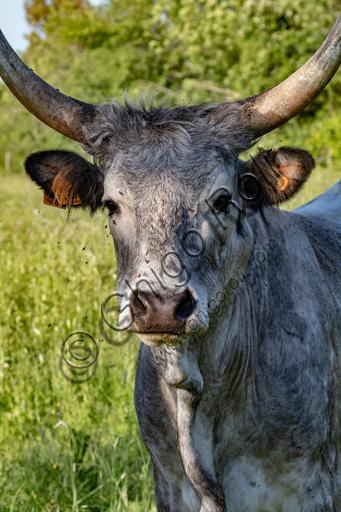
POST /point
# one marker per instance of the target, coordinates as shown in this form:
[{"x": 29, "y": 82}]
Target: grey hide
[{"x": 257, "y": 429}]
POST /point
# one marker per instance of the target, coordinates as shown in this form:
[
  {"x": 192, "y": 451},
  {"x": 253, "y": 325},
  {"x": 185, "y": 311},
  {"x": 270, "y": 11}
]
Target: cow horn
[
  {"x": 62, "y": 113},
  {"x": 274, "y": 107}
]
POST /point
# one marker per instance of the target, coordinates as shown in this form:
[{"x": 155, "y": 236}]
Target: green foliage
[
  {"x": 38, "y": 11},
  {"x": 195, "y": 51}
]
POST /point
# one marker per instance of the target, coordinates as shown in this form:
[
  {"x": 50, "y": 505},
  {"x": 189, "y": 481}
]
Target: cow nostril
[
  {"x": 138, "y": 306},
  {"x": 185, "y": 307}
]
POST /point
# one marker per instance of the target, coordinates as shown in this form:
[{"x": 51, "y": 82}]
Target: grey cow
[{"x": 237, "y": 304}]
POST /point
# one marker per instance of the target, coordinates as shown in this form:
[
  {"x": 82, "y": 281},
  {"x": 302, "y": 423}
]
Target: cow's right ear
[{"x": 67, "y": 179}]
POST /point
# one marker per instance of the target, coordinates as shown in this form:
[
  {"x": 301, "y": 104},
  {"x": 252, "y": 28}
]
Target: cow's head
[
  {"x": 173, "y": 186},
  {"x": 175, "y": 189}
]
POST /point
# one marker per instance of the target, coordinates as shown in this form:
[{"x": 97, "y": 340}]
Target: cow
[{"x": 236, "y": 303}]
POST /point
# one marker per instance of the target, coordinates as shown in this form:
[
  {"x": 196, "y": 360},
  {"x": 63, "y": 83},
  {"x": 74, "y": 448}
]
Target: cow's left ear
[
  {"x": 67, "y": 179},
  {"x": 279, "y": 173}
]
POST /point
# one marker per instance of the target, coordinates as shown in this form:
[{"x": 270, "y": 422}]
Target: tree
[
  {"x": 37, "y": 11},
  {"x": 194, "y": 50}
]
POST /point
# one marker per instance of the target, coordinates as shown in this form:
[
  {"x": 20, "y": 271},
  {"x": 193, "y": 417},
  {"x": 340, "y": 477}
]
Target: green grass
[
  {"x": 67, "y": 446},
  {"x": 63, "y": 446}
]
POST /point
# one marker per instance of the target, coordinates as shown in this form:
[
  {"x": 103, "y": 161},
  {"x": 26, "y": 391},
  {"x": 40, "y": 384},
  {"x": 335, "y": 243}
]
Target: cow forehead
[
  {"x": 165, "y": 202},
  {"x": 160, "y": 133},
  {"x": 167, "y": 180}
]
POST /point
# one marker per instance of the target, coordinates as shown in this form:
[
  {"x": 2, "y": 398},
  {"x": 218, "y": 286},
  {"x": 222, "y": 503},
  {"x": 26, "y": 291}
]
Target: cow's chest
[
  {"x": 192, "y": 466},
  {"x": 213, "y": 454},
  {"x": 249, "y": 486}
]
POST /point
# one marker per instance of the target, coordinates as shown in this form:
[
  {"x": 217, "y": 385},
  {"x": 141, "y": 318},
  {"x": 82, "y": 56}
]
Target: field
[
  {"x": 64, "y": 446},
  {"x": 67, "y": 446}
]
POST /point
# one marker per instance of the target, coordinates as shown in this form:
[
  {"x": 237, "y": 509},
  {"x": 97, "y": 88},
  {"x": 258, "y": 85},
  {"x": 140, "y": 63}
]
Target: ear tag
[
  {"x": 50, "y": 201},
  {"x": 61, "y": 195},
  {"x": 282, "y": 183},
  {"x": 272, "y": 154}
]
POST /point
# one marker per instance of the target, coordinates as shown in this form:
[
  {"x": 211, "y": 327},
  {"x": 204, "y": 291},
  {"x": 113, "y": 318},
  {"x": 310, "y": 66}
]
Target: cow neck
[{"x": 181, "y": 371}]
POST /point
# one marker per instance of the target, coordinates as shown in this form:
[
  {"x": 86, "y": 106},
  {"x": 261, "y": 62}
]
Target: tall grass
[{"x": 63, "y": 446}]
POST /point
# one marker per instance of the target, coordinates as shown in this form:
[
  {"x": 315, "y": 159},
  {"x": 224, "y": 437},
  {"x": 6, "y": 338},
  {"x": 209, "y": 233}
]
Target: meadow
[
  {"x": 64, "y": 446},
  {"x": 68, "y": 446}
]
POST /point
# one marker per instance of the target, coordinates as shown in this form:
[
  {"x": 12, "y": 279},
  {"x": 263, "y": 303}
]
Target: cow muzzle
[{"x": 160, "y": 319}]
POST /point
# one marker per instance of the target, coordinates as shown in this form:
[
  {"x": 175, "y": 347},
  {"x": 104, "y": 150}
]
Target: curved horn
[
  {"x": 62, "y": 113},
  {"x": 272, "y": 108}
]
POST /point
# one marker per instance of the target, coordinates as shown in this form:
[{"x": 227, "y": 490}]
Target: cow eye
[
  {"x": 111, "y": 205},
  {"x": 222, "y": 202}
]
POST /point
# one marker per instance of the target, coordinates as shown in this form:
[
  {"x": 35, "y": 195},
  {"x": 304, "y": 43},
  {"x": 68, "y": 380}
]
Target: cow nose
[
  {"x": 153, "y": 313},
  {"x": 186, "y": 306}
]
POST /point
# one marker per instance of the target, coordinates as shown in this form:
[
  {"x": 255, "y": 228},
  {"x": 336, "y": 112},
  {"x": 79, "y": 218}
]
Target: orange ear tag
[
  {"x": 272, "y": 154},
  {"x": 282, "y": 183},
  {"x": 50, "y": 201},
  {"x": 61, "y": 195}
]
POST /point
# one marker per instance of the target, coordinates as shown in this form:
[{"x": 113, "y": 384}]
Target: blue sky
[{"x": 13, "y": 23}]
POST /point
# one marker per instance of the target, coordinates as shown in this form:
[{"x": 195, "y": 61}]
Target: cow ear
[
  {"x": 67, "y": 179},
  {"x": 278, "y": 174}
]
